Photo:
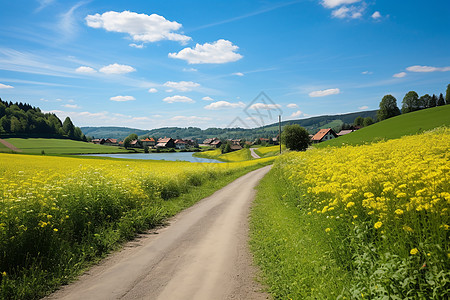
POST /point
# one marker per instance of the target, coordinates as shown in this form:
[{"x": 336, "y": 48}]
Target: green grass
[
  {"x": 3, "y": 148},
  {"x": 289, "y": 247},
  {"x": 269, "y": 151},
  {"x": 60, "y": 146},
  {"x": 235, "y": 156},
  {"x": 396, "y": 127}
]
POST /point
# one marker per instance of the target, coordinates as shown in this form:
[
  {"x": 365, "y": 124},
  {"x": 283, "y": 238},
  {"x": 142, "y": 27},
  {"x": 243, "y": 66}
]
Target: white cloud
[
  {"x": 190, "y": 118},
  {"x": 141, "y": 27},
  {"x": 139, "y": 46},
  {"x": 86, "y": 70},
  {"x": 183, "y": 86},
  {"x": 5, "y": 86},
  {"x": 399, "y": 75},
  {"x": 152, "y": 90},
  {"x": 157, "y": 116},
  {"x": 71, "y": 106},
  {"x": 207, "y": 98},
  {"x": 257, "y": 106},
  {"x": 296, "y": 114},
  {"x": 346, "y": 12},
  {"x": 141, "y": 119},
  {"x": 366, "y": 73},
  {"x": 336, "y": 3},
  {"x": 363, "y": 107},
  {"x": 117, "y": 69},
  {"x": 190, "y": 70},
  {"x": 238, "y": 74},
  {"x": 178, "y": 98},
  {"x": 376, "y": 15},
  {"x": 324, "y": 93},
  {"x": 427, "y": 69},
  {"x": 224, "y": 105},
  {"x": 219, "y": 52},
  {"x": 122, "y": 98},
  {"x": 292, "y": 105}
]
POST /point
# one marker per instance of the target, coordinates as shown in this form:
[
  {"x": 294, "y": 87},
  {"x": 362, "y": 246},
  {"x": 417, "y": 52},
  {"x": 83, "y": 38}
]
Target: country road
[
  {"x": 253, "y": 153},
  {"x": 202, "y": 254}
]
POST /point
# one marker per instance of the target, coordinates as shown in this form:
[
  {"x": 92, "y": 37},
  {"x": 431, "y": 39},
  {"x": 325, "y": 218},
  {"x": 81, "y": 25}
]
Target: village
[{"x": 214, "y": 143}]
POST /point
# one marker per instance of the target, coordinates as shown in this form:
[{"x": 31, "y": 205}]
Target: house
[
  {"x": 344, "y": 132},
  {"x": 324, "y": 135},
  {"x": 165, "y": 143},
  {"x": 235, "y": 147},
  {"x": 216, "y": 143},
  {"x": 180, "y": 144},
  {"x": 149, "y": 142},
  {"x": 208, "y": 142},
  {"x": 98, "y": 141},
  {"x": 135, "y": 144},
  {"x": 111, "y": 142}
]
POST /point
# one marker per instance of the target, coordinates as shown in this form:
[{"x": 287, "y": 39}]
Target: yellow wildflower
[{"x": 414, "y": 251}]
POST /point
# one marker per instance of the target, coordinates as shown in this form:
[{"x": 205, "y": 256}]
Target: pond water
[{"x": 173, "y": 156}]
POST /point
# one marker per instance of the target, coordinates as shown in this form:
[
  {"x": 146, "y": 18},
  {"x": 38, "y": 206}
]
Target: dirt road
[
  {"x": 10, "y": 146},
  {"x": 203, "y": 254},
  {"x": 253, "y": 153}
]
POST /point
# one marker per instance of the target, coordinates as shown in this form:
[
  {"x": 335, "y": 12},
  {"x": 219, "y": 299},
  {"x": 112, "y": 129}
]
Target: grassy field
[
  {"x": 235, "y": 156},
  {"x": 357, "y": 222},
  {"x": 269, "y": 151},
  {"x": 59, "y": 146},
  {"x": 396, "y": 127},
  {"x": 60, "y": 214}
]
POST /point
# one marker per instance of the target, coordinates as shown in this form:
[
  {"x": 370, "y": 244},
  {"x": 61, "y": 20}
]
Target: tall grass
[
  {"x": 235, "y": 156},
  {"x": 59, "y": 214},
  {"x": 379, "y": 213}
]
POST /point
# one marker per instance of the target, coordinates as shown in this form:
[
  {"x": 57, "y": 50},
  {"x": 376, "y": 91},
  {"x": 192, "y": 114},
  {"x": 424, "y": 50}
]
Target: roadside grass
[
  {"x": 369, "y": 221},
  {"x": 235, "y": 156},
  {"x": 4, "y": 149},
  {"x": 60, "y": 146},
  {"x": 59, "y": 215},
  {"x": 289, "y": 247},
  {"x": 396, "y": 127},
  {"x": 269, "y": 151}
]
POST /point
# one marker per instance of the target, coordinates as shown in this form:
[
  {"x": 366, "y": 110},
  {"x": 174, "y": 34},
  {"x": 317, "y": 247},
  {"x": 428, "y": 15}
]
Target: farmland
[
  {"x": 60, "y": 214},
  {"x": 235, "y": 156},
  {"x": 367, "y": 221}
]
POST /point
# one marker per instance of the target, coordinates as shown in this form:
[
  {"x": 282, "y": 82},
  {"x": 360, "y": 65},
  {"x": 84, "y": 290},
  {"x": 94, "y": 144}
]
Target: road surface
[
  {"x": 253, "y": 153},
  {"x": 202, "y": 254}
]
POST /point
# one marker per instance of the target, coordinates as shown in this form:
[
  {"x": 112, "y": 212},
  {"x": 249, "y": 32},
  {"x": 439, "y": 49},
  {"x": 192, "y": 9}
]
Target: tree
[
  {"x": 410, "y": 102},
  {"x": 68, "y": 128},
  {"x": 225, "y": 147},
  {"x": 433, "y": 101},
  {"x": 441, "y": 100},
  {"x": 424, "y": 101},
  {"x": 447, "y": 95},
  {"x": 388, "y": 108},
  {"x": 129, "y": 139},
  {"x": 358, "y": 121},
  {"x": 295, "y": 137},
  {"x": 368, "y": 121}
]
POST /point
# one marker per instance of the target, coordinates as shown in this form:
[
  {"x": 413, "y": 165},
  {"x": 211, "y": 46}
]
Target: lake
[{"x": 172, "y": 156}]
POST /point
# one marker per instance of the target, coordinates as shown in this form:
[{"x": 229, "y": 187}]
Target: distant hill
[
  {"x": 311, "y": 124},
  {"x": 396, "y": 127},
  {"x": 111, "y": 132}
]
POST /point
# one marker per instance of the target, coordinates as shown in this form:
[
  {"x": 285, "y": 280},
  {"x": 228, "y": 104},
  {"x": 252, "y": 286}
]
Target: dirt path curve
[
  {"x": 203, "y": 254},
  {"x": 253, "y": 153},
  {"x": 10, "y": 146}
]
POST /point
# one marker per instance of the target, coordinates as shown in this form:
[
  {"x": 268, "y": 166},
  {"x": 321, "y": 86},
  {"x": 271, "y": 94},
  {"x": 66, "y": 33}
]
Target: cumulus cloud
[
  {"x": 427, "y": 69},
  {"x": 117, "y": 69},
  {"x": 140, "y": 27},
  {"x": 86, "y": 70},
  {"x": 265, "y": 106},
  {"x": 324, "y": 93},
  {"x": 218, "y": 52},
  {"x": 74, "y": 106},
  {"x": 139, "y": 46},
  {"x": 363, "y": 107},
  {"x": 190, "y": 118},
  {"x": 297, "y": 114},
  {"x": 376, "y": 15},
  {"x": 122, "y": 98},
  {"x": 399, "y": 75},
  {"x": 336, "y": 3},
  {"x": 224, "y": 105},
  {"x": 183, "y": 86},
  {"x": 366, "y": 73},
  {"x": 348, "y": 12},
  {"x": 207, "y": 98},
  {"x": 238, "y": 74},
  {"x": 5, "y": 86},
  {"x": 190, "y": 70},
  {"x": 292, "y": 105},
  {"x": 178, "y": 98},
  {"x": 152, "y": 90}
]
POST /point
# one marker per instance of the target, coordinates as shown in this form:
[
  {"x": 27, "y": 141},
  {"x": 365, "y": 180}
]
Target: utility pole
[{"x": 279, "y": 131}]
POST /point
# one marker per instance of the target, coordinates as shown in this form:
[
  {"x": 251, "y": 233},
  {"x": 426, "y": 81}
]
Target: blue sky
[{"x": 150, "y": 64}]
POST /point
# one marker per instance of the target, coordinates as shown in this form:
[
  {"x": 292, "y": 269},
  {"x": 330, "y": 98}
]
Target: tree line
[
  {"x": 24, "y": 119},
  {"x": 411, "y": 102}
]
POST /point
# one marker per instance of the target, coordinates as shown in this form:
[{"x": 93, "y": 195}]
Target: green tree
[
  {"x": 68, "y": 128},
  {"x": 433, "y": 101},
  {"x": 410, "y": 102},
  {"x": 447, "y": 95},
  {"x": 225, "y": 147},
  {"x": 368, "y": 121},
  {"x": 441, "y": 100},
  {"x": 358, "y": 121},
  {"x": 295, "y": 137},
  {"x": 129, "y": 139},
  {"x": 16, "y": 126},
  {"x": 388, "y": 108},
  {"x": 424, "y": 101},
  {"x": 78, "y": 134}
]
